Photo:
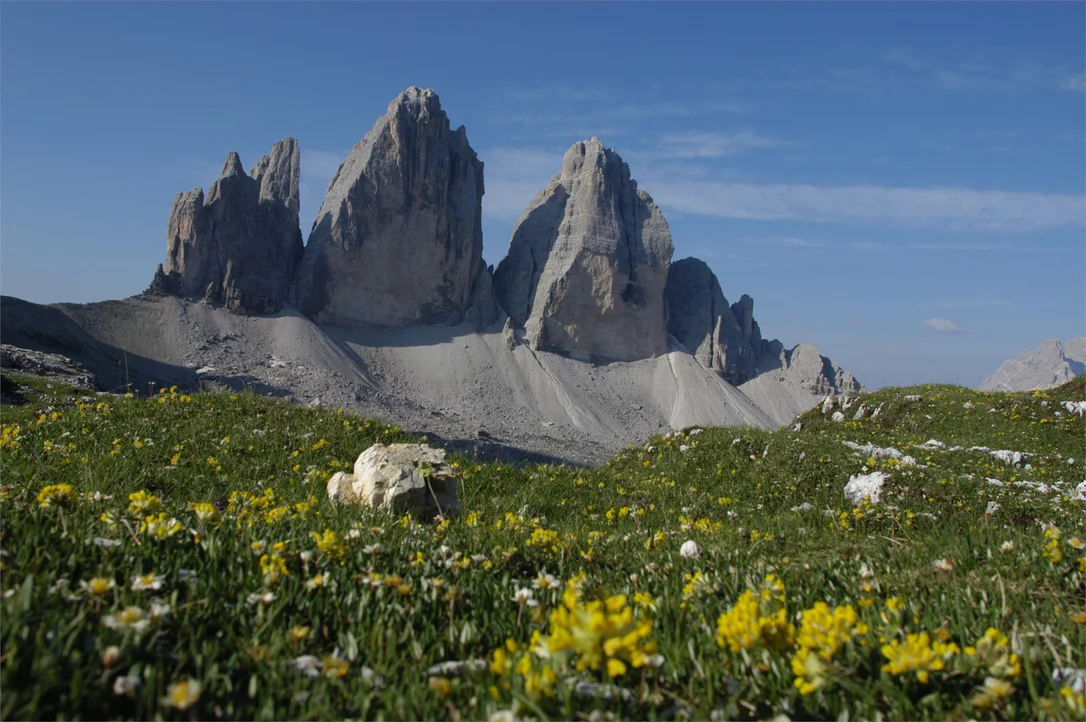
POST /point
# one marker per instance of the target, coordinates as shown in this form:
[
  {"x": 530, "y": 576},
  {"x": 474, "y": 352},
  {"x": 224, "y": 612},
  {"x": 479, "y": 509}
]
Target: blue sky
[{"x": 901, "y": 185}]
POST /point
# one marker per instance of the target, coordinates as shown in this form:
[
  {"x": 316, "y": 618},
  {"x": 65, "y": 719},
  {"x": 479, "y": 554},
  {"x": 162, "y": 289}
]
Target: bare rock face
[
  {"x": 238, "y": 246},
  {"x": 398, "y": 240},
  {"x": 1050, "y": 364},
  {"x": 400, "y": 477},
  {"x": 588, "y": 262},
  {"x": 816, "y": 373},
  {"x": 700, "y": 318}
]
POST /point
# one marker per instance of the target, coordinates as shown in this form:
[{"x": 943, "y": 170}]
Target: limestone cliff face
[
  {"x": 1050, "y": 364},
  {"x": 238, "y": 246},
  {"x": 588, "y": 261},
  {"x": 727, "y": 339},
  {"x": 701, "y": 319},
  {"x": 398, "y": 240}
]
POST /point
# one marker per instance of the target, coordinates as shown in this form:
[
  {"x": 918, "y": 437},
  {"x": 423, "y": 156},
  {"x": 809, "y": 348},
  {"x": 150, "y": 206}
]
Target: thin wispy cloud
[
  {"x": 979, "y": 71},
  {"x": 959, "y": 209},
  {"x": 702, "y": 144},
  {"x": 785, "y": 242},
  {"x": 943, "y": 325},
  {"x": 977, "y": 303}
]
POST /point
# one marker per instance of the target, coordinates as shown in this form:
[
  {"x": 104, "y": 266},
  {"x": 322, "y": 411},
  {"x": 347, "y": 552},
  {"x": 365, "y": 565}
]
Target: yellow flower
[
  {"x": 760, "y": 619},
  {"x": 335, "y": 666},
  {"x": 273, "y": 566},
  {"x": 298, "y": 634},
  {"x": 205, "y": 512},
  {"x": 98, "y": 586},
  {"x": 440, "y": 686},
  {"x": 917, "y": 654},
  {"x": 330, "y": 543},
  {"x": 140, "y": 503},
  {"x": 56, "y": 495},
  {"x": 182, "y": 695}
]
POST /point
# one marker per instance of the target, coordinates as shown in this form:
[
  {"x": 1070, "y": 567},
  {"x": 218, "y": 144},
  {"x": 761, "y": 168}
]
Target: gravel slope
[{"x": 449, "y": 382}]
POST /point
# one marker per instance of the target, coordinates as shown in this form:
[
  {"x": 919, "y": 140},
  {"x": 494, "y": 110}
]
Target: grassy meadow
[{"x": 176, "y": 557}]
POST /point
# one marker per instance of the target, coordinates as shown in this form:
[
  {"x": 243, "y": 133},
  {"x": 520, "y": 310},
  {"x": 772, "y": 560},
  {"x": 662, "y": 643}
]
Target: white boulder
[
  {"x": 401, "y": 477},
  {"x": 865, "y": 486}
]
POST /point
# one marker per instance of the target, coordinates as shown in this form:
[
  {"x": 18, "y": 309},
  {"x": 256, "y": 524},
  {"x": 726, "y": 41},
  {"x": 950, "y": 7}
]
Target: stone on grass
[
  {"x": 861, "y": 487},
  {"x": 401, "y": 477}
]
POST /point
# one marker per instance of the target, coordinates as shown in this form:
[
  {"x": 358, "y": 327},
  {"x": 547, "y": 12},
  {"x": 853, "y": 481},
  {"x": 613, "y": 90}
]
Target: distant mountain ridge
[{"x": 1050, "y": 364}]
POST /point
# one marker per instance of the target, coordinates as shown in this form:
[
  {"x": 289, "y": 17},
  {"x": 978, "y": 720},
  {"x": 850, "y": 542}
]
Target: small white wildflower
[
  {"x": 129, "y": 618},
  {"x": 306, "y": 556},
  {"x": 1007, "y": 546},
  {"x": 373, "y": 549},
  {"x": 260, "y": 598},
  {"x": 546, "y": 581},
  {"x": 127, "y": 685},
  {"x": 942, "y": 565},
  {"x": 308, "y": 665},
  {"x": 110, "y": 656},
  {"x": 865, "y": 571},
  {"x": 525, "y": 596},
  {"x": 147, "y": 582},
  {"x": 159, "y": 609},
  {"x": 992, "y": 508}
]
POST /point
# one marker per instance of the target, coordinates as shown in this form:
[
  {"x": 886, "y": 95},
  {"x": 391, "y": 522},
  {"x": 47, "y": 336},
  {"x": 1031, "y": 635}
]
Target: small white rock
[{"x": 690, "y": 549}]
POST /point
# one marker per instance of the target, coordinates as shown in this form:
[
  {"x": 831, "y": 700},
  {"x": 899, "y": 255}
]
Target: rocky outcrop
[
  {"x": 816, "y": 373},
  {"x": 727, "y": 340},
  {"x": 238, "y": 246},
  {"x": 400, "y": 477},
  {"x": 724, "y": 338},
  {"x": 398, "y": 240},
  {"x": 588, "y": 261},
  {"x": 1050, "y": 364}
]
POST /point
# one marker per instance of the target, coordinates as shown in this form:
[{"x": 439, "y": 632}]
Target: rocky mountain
[
  {"x": 723, "y": 337},
  {"x": 238, "y": 246},
  {"x": 1050, "y": 364},
  {"x": 588, "y": 262},
  {"x": 390, "y": 311},
  {"x": 398, "y": 239}
]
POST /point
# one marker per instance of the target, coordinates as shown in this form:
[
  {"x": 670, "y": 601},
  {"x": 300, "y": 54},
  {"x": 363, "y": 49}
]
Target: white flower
[
  {"x": 993, "y": 507},
  {"x": 261, "y": 598},
  {"x": 546, "y": 581},
  {"x": 732, "y": 514},
  {"x": 306, "y": 556},
  {"x": 690, "y": 549},
  {"x": 105, "y": 543},
  {"x": 130, "y": 617},
  {"x": 525, "y": 596},
  {"x": 110, "y": 656},
  {"x": 865, "y": 571},
  {"x": 308, "y": 665},
  {"x": 147, "y": 581},
  {"x": 654, "y": 661},
  {"x": 127, "y": 684},
  {"x": 183, "y": 694},
  {"x": 97, "y": 586},
  {"x": 354, "y": 533},
  {"x": 1007, "y": 546},
  {"x": 373, "y": 549},
  {"x": 683, "y": 447},
  {"x": 942, "y": 565},
  {"x": 159, "y": 609}
]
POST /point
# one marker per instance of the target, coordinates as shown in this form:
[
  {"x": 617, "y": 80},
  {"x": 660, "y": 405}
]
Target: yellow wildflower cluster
[
  {"x": 600, "y": 633},
  {"x": 757, "y": 619},
  {"x": 10, "y": 436},
  {"x": 159, "y": 527},
  {"x": 823, "y": 631},
  {"x": 141, "y": 503},
  {"x": 539, "y": 679},
  {"x": 330, "y": 544},
  {"x": 172, "y": 395},
  {"x": 992, "y": 650},
  {"x": 56, "y": 495},
  {"x": 919, "y": 654},
  {"x": 273, "y": 567}
]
